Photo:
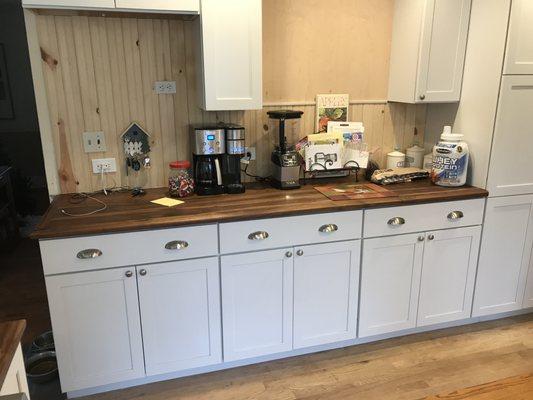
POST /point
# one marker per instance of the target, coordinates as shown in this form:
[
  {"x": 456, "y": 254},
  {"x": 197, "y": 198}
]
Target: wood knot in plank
[{"x": 48, "y": 59}]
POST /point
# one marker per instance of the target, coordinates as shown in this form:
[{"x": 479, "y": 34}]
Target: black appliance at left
[{"x": 208, "y": 148}]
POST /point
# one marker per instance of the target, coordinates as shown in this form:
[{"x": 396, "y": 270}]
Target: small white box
[{"x": 327, "y": 155}]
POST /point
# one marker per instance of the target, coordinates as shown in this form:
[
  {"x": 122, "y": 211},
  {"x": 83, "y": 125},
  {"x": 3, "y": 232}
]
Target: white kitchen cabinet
[
  {"x": 69, "y": 4},
  {"x": 448, "y": 275},
  {"x": 390, "y": 280},
  {"x": 505, "y": 255},
  {"x": 166, "y": 6},
  {"x": 231, "y": 55},
  {"x": 519, "y": 54},
  {"x": 510, "y": 171},
  {"x": 528, "y": 295},
  {"x": 326, "y": 285},
  {"x": 97, "y": 332},
  {"x": 257, "y": 292},
  {"x": 428, "y": 50},
  {"x": 180, "y": 314},
  {"x": 15, "y": 378}
]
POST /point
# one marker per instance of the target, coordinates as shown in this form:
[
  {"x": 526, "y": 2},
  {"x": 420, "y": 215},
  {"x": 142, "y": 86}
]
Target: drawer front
[
  {"x": 423, "y": 217},
  {"x": 289, "y": 231},
  {"x": 132, "y": 248}
]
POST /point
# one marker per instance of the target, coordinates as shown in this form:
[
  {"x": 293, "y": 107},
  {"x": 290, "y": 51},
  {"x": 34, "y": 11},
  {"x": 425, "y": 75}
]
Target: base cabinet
[
  {"x": 505, "y": 255},
  {"x": 180, "y": 314},
  {"x": 326, "y": 285},
  {"x": 97, "y": 332}
]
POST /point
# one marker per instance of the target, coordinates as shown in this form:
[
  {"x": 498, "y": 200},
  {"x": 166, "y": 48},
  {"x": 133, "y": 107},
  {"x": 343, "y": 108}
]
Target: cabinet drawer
[
  {"x": 423, "y": 217},
  {"x": 288, "y": 231},
  {"x": 132, "y": 248}
]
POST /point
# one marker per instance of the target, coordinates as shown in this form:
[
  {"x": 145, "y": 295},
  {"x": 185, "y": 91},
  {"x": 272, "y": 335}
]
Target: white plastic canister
[{"x": 450, "y": 159}]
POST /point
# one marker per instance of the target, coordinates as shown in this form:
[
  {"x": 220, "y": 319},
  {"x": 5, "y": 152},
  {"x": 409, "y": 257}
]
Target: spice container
[{"x": 180, "y": 183}]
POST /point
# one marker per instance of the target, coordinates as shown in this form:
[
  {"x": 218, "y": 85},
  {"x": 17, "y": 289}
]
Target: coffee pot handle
[{"x": 219, "y": 174}]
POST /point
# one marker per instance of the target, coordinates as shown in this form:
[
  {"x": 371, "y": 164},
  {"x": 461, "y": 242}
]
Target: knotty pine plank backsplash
[{"x": 99, "y": 74}]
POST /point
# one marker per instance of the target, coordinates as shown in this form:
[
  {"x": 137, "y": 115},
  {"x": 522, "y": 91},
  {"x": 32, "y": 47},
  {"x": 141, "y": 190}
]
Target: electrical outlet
[
  {"x": 94, "y": 142},
  {"x": 251, "y": 151},
  {"x": 106, "y": 164},
  {"x": 165, "y": 87}
]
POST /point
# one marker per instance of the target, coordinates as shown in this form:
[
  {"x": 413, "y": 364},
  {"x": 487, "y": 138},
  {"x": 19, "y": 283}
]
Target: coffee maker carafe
[
  {"x": 208, "y": 148},
  {"x": 235, "y": 150}
]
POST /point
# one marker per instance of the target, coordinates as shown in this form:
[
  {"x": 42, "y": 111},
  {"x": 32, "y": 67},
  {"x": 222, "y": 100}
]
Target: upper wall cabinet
[
  {"x": 519, "y": 55},
  {"x": 161, "y": 6},
  {"x": 231, "y": 54},
  {"x": 428, "y": 50}
]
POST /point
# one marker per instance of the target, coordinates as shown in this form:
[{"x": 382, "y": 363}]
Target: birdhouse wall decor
[{"x": 136, "y": 143}]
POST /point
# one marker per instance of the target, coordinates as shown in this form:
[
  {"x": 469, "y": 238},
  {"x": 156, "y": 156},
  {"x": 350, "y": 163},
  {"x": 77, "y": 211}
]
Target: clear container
[{"x": 180, "y": 183}]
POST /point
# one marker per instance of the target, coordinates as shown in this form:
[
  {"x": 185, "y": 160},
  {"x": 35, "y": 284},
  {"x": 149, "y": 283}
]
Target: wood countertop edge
[
  {"x": 10, "y": 337},
  {"x": 166, "y": 222}
]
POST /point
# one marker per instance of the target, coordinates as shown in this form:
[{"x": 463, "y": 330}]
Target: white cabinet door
[
  {"x": 448, "y": 275},
  {"x": 169, "y": 6},
  {"x": 528, "y": 295},
  {"x": 15, "y": 378},
  {"x": 519, "y": 54},
  {"x": 180, "y": 310},
  {"x": 390, "y": 281},
  {"x": 257, "y": 303},
  {"x": 326, "y": 285},
  {"x": 505, "y": 255},
  {"x": 442, "y": 52},
  {"x": 97, "y": 332},
  {"x": 68, "y": 4},
  {"x": 510, "y": 169},
  {"x": 232, "y": 54}
]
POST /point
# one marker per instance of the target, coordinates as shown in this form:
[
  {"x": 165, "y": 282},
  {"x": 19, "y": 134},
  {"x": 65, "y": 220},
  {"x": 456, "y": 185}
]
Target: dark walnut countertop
[
  {"x": 127, "y": 213},
  {"x": 10, "y": 336}
]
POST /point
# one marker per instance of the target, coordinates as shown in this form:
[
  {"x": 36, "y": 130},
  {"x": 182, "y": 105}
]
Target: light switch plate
[{"x": 94, "y": 142}]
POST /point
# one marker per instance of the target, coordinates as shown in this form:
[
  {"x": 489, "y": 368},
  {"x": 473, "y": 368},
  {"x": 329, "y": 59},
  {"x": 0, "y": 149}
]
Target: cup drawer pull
[
  {"x": 176, "y": 245},
  {"x": 328, "y": 228},
  {"x": 396, "y": 221},
  {"x": 455, "y": 215},
  {"x": 259, "y": 235},
  {"x": 88, "y": 254}
]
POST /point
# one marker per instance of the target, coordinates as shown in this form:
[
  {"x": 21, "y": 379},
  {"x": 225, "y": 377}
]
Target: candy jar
[{"x": 180, "y": 184}]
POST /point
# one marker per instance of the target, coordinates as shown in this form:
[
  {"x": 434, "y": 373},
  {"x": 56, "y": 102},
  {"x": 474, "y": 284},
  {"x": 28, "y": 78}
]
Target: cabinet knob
[
  {"x": 421, "y": 238},
  {"x": 88, "y": 254},
  {"x": 396, "y": 221},
  {"x": 259, "y": 235},
  {"x": 454, "y": 215},
  {"x": 328, "y": 228},
  {"x": 128, "y": 274},
  {"x": 143, "y": 272},
  {"x": 431, "y": 237},
  {"x": 422, "y": 96},
  {"x": 300, "y": 253},
  {"x": 288, "y": 254},
  {"x": 176, "y": 245}
]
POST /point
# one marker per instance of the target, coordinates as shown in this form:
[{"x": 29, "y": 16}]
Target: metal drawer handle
[
  {"x": 455, "y": 215},
  {"x": 396, "y": 221},
  {"x": 328, "y": 228},
  {"x": 259, "y": 235},
  {"x": 176, "y": 245},
  {"x": 88, "y": 254}
]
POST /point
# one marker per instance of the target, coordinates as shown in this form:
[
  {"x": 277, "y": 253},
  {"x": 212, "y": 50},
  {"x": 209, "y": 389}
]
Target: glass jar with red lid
[{"x": 180, "y": 183}]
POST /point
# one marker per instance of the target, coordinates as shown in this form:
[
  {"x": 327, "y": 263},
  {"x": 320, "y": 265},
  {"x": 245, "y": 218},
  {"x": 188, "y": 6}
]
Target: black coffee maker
[
  {"x": 208, "y": 148},
  {"x": 231, "y": 161}
]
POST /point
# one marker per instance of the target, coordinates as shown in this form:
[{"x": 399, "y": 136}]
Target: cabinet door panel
[
  {"x": 443, "y": 46},
  {"x": 510, "y": 169},
  {"x": 528, "y": 295},
  {"x": 257, "y": 303},
  {"x": 390, "y": 282},
  {"x": 86, "y": 4},
  {"x": 326, "y": 283},
  {"x": 504, "y": 256},
  {"x": 180, "y": 309},
  {"x": 519, "y": 54},
  {"x": 97, "y": 333},
  {"x": 448, "y": 275},
  {"x": 181, "y": 6}
]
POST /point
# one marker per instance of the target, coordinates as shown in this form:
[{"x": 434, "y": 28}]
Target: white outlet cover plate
[
  {"x": 165, "y": 87},
  {"x": 250, "y": 150},
  {"x": 108, "y": 164},
  {"x": 94, "y": 142}
]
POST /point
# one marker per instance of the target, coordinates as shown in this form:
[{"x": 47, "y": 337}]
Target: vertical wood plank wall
[{"x": 99, "y": 74}]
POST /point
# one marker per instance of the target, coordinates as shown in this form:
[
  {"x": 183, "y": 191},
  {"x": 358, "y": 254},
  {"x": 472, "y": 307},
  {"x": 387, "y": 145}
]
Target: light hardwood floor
[{"x": 485, "y": 361}]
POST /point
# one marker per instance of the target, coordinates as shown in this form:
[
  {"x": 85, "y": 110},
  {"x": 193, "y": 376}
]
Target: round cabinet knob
[
  {"x": 288, "y": 254},
  {"x": 421, "y": 238},
  {"x": 128, "y": 274},
  {"x": 300, "y": 253},
  {"x": 143, "y": 272},
  {"x": 431, "y": 237},
  {"x": 422, "y": 96}
]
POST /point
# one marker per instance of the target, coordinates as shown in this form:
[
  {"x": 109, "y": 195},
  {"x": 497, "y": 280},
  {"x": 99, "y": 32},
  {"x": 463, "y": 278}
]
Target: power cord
[{"x": 246, "y": 162}]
